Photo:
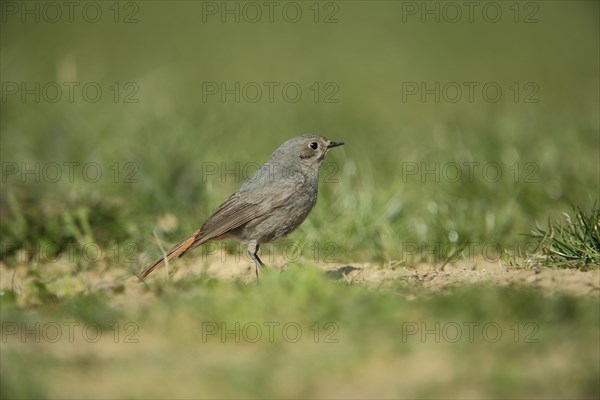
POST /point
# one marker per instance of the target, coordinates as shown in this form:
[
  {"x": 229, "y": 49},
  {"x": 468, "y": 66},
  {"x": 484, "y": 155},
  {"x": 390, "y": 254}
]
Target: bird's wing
[{"x": 241, "y": 208}]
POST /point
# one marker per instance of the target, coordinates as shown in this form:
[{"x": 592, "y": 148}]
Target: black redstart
[{"x": 273, "y": 202}]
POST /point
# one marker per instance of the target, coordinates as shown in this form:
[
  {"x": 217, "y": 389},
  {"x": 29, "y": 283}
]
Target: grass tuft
[{"x": 573, "y": 244}]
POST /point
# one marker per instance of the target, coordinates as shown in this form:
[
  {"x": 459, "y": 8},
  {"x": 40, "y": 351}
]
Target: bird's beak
[{"x": 334, "y": 144}]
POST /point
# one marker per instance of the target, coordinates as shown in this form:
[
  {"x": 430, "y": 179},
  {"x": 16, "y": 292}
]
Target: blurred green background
[
  {"x": 155, "y": 130},
  {"x": 546, "y": 151}
]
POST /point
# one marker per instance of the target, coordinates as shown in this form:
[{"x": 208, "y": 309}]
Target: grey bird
[{"x": 273, "y": 202}]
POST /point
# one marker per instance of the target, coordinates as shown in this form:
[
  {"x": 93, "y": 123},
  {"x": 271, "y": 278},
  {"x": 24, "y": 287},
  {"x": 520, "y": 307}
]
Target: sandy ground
[
  {"x": 434, "y": 278},
  {"x": 62, "y": 279},
  {"x": 423, "y": 276}
]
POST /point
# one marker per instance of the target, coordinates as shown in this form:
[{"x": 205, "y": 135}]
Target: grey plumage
[{"x": 273, "y": 202}]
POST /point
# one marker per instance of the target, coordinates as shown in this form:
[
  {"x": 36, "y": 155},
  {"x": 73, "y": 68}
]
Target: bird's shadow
[{"x": 341, "y": 272}]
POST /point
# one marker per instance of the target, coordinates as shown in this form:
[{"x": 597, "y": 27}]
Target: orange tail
[{"x": 177, "y": 251}]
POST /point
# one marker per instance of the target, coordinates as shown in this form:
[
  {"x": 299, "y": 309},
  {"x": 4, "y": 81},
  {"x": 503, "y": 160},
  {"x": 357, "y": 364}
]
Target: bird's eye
[{"x": 314, "y": 145}]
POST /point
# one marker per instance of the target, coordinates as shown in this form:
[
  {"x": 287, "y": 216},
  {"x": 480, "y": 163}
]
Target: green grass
[
  {"x": 178, "y": 331},
  {"x": 573, "y": 243}
]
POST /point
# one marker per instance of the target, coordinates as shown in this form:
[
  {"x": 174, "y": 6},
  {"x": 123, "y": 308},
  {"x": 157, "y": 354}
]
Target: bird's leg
[{"x": 253, "y": 252}]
